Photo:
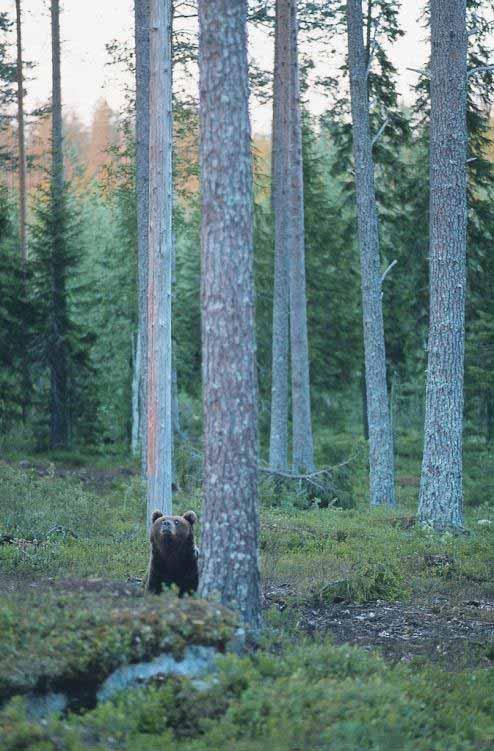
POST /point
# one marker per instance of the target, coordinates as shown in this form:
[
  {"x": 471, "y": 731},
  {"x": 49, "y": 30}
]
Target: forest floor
[{"x": 73, "y": 550}]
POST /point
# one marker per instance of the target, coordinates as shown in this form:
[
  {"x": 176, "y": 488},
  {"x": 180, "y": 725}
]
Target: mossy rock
[{"x": 71, "y": 637}]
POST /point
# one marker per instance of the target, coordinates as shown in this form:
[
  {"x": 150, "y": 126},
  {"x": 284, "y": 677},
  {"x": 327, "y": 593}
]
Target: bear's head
[{"x": 169, "y": 532}]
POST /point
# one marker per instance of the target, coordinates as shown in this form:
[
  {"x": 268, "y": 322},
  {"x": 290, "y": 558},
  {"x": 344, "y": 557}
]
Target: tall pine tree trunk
[
  {"x": 229, "y": 562},
  {"x": 59, "y": 408},
  {"x": 381, "y": 459},
  {"x": 159, "y": 340},
  {"x": 303, "y": 449},
  {"x": 441, "y": 489},
  {"x": 26, "y": 378},
  {"x": 278, "y": 441},
  {"x": 21, "y": 138},
  {"x": 141, "y": 9}
]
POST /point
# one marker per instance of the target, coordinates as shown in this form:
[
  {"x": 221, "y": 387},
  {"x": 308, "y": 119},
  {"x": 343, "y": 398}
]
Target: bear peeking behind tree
[{"x": 174, "y": 556}]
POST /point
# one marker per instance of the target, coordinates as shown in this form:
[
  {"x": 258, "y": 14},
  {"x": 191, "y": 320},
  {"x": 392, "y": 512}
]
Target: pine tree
[
  {"x": 381, "y": 457},
  {"x": 160, "y": 249},
  {"x": 441, "y": 488},
  {"x": 302, "y": 440},
  {"x": 230, "y": 565},
  {"x": 278, "y": 437}
]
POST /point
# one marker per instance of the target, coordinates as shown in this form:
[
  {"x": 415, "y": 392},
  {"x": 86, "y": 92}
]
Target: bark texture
[
  {"x": 441, "y": 489},
  {"x": 159, "y": 350},
  {"x": 381, "y": 459},
  {"x": 59, "y": 410},
  {"x": 141, "y": 12},
  {"x": 303, "y": 449},
  {"x": 229, "y": 548},
  {"x": 21, "y": 137},
  {"x": 278, "y": 441}
]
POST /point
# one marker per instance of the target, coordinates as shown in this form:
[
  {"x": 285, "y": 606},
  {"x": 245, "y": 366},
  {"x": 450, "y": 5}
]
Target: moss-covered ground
[{"x": 378, "y": 634}]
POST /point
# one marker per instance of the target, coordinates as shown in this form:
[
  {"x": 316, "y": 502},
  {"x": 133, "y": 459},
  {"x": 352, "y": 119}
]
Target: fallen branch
[
  {"x": 320, "y": 480},
  {"x": 308, "y": 477}
]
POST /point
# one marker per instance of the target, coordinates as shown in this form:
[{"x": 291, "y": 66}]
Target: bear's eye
[{"x": 176, "y": 522}]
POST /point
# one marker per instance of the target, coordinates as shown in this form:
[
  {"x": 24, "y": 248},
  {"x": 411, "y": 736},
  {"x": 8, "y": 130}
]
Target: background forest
[
  {"x": 377, "y": 628},
  {"x": 100, "y": 258}
]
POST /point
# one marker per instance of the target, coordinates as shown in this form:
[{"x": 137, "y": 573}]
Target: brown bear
[{"x": 174, "y": 556}]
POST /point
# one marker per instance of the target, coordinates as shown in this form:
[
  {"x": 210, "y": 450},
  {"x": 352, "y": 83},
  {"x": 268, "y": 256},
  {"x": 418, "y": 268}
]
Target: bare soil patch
[{"x": 457, "y": 634}]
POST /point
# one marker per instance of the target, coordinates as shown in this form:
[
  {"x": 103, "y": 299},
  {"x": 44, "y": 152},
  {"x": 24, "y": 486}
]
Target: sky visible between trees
[{"x": 89, "y": 25}]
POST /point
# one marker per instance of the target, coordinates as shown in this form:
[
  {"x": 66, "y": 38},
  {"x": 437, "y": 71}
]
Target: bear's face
[{"x": 169, "y": 532}]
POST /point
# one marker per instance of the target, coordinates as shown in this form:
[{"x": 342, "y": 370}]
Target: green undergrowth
[
  {"x": 62, "y": 530},
  {"x": 70, "y": 609},
  {"x": 52, "y": 640},
  {"x": 312, "y": 696}
]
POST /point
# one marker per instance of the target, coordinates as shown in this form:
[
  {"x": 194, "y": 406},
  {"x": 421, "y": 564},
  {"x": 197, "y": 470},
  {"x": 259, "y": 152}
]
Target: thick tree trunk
[
  {"x": 21, "y": 138},
  {"x": 381, "y": 460},
  {"x": 278, "y": 441},
  {"x": 303, "y": 449},
  {"x": 229, "y": 555},
  {"x": 141, "y": 9},
  {"x": 159, "y": 368},
  {"x": 441, "y": 489},
  {"x": 59, "y": 412}
]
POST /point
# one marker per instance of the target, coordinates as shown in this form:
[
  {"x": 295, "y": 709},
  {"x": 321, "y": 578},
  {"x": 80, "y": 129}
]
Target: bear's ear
[
  {"x": 191, "y": 517},
  {"x": 156, "y": 515}
]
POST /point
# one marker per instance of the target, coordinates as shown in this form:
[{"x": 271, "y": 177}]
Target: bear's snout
[{"x": 167, "y": 527}]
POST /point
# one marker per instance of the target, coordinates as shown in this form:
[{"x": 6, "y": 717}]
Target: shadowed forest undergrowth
[{"x": 378, "y": 633}]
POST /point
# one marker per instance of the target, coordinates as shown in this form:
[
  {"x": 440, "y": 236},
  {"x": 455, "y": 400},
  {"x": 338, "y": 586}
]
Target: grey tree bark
[
  {"x": 441, "y": 488},
  {"x": 136, "y": 379},
  {"x": 229, "y": 549},
  {"x": 278, "y": 441},
  {"x": 303, "y": 448},
  {"x": 141, "y": 14},
  {"x": 381, "y": 458},
  {"x": 21, "y": 138},
  {"x": 159, "y": 340}
]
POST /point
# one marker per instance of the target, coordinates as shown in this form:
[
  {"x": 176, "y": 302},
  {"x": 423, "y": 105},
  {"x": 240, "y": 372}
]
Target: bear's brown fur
[{"x": 174, "y": 556}]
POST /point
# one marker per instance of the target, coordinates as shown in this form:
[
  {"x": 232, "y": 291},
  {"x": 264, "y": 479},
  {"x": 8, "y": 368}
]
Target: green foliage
[
  {"x": 290, "y": 692},
  {"x": 15, "y": 322},
  {"x": 60, "y": 350},
  {"x": 313, "y": 696}
]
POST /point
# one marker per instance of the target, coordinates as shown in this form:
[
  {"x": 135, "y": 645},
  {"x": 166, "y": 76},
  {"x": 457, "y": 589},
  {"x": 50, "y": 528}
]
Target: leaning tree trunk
[
  {"x": 441, "y": 488},
  {"x": 159, "y": 340},
  {"x": 59, "y": 413},
  {"x": 229, "y": 560},
  {"x": 141, "y": 9},
  {"x": 381, "y": 460},
  {"x": 303, "y": 449},
  {"x": 278, "y": 440}
]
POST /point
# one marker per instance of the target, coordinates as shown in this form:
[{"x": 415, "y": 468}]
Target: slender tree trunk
[
  {"x": 136, "y": 379},
  {"x": 26, "y": 378},
  {"x": 159, "y": 370},
  {"x": 303, "y": 449},
  {"x": 489, "y": 416},
  {"x": 141, "y": 10},
  {"x": 59, "y": 413},
  {"x": 229, "y": 561},
  {"x": 278, "y": 442},
  {"x": 441, "y": 488},
  {"x": 21, "y": 138},
  {"x": 381, "y": 460},
  {"x": 365, "y": 421}
]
